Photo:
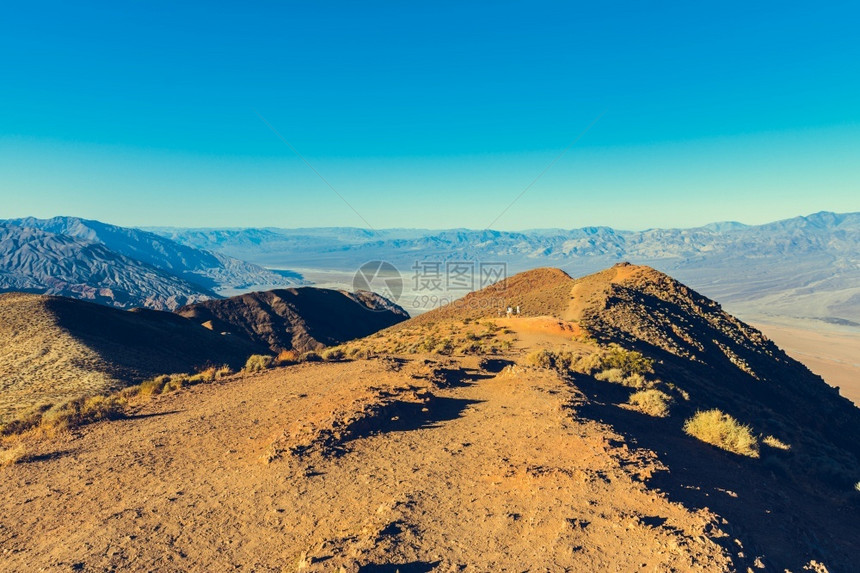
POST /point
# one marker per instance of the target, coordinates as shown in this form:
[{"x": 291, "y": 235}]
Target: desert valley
[
  {"x": 617, "y": 421},
  {"x": 411, "y": 287}
]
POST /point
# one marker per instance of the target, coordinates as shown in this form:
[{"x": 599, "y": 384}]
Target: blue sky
[{"x": 429, "y": 115}]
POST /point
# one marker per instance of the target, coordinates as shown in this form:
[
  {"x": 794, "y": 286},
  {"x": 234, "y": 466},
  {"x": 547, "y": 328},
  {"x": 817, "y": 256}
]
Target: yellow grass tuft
[
  {"x": 719, "y": 429},
  {"x": 12, "y": 455},
  {"x": 776, "y": 443},
  {"x": 652, "y": 402}
]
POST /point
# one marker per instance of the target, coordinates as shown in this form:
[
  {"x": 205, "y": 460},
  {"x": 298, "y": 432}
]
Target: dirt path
[{"x": 484, "y": 473}]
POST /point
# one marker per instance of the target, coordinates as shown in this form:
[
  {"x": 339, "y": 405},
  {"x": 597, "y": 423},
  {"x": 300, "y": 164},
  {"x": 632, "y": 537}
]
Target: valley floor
[{"x": 833, "y": 354}]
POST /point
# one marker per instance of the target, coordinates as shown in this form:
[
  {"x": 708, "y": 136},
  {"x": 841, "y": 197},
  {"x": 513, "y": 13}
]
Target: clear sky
[{"x": 431, "y": 114}]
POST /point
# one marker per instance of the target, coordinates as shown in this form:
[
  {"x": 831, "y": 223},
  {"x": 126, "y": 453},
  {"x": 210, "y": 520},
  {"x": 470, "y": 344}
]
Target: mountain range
[
  {"x": 119, "y": 266},
  {"x": 801, "y": 267}
]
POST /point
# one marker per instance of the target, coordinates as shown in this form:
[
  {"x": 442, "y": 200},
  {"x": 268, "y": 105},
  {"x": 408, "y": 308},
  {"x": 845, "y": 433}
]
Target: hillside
[
  {"x": 57, "y": 348},
  {"x": 561, "y": 439},
  {"x": 118, "y": 266},
  {"x": 299, "y": 319}
]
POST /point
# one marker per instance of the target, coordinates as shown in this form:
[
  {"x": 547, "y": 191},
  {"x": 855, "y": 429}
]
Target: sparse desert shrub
[
  {"x": 614, "y": 375},
  {"x": 444, "y": 346},
  {"x": 223, "y": 372},
  {"x": 586, "y": 363},
  {"x": 81, "y": 411},
  {"x": 332, "y": 354},
  {"x": 310, "y": 356},
  {"x": 628, "y": 361},
  {"x": 286, "y": 357},
  {"x": 258, "y": 362},
  {"x": 542, "y": 359},
  {"x": 652, "y": 402},
  {"x": 153, "y": 386},
  {"x": 207, "y": 375},
  {"x": 26, "y": 421},
  {"x": 359, "y": 352},
  {"x": 12, "y": 455},
  {"x": 776, "y": 443},
  {"x": 719, "y": 429}
]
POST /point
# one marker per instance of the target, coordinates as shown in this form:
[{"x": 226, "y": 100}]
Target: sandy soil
[
  {"x": 457, "y": 487},
  {"x": 833, "y": 354}
]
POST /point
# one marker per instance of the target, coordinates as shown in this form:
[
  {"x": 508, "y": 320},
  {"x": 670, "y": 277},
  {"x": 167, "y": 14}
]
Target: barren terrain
[{"x": 458, "y": 442}]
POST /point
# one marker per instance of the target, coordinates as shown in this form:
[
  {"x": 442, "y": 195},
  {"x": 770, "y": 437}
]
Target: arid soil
[
  {"x": 497, "y": 474},
  {"x": 420, "y": 460}
]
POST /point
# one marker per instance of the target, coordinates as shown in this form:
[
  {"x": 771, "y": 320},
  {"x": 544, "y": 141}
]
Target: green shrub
[
  {"x": 652, "y": 402},
  {"x": 719, "y": 429},
  {"x": 258, "y": 362}
]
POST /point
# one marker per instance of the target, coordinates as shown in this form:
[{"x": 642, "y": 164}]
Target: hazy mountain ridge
[
  {"x": 32, "y": 260},
  {"x": 117, "y": 266},
  {"x": 209, "y": 270},
  {"x": 804, "y": 266}
]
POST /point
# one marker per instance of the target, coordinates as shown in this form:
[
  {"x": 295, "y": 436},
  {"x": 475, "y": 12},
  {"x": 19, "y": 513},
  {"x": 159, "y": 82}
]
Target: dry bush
[
  {"x": 286, "y": 357},
  {"x": 13, "y": 455},
  {"x": 628, "y": 361},
  {"x": 26, "y": 421},
  {"x": 153, "y": 386},
  {"x": 652, "y": 402},
  {"x": 719, "y": 429},
  {"x": 776, "y": 443},
  {"x": 614, "y": 375},
  {"x": 258, "y": 362},
  {"x": 332, "y": 354},
  {"x": 310, "y": 356},
  {"x": 81, "y": 411}
]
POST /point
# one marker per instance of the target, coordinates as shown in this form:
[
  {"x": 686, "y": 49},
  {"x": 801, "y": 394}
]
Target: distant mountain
[
  {"x": 299, "y": 319},
  {"x": 210, "y": 270},
  {"x": 118, "y": 266},
  {"x": 55, "y": 348},
  {"x": 36, "y": 261},
  {"x": 805, "y": 266}
]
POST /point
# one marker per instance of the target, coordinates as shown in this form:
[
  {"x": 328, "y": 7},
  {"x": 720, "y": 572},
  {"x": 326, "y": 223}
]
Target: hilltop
[
  {"x": 299, "y": 319},
  {"x": 579, "y": 435}
]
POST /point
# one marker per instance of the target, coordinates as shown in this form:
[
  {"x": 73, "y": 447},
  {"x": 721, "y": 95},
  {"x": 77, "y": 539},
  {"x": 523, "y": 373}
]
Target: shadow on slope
[
  {"x": 772, "y": 504},
  {"x": 299, "y": 319},
  {"x": 141, "y": 343}
]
